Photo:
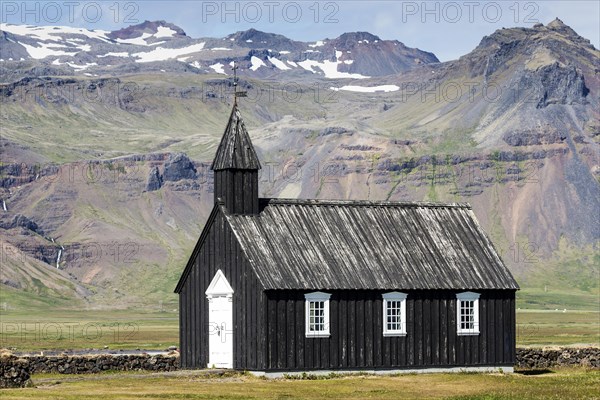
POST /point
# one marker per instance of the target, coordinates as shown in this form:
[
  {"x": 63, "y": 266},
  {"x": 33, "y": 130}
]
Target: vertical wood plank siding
[
  {"x": 221, "y": 251},
  {"x": 238, "y": 189},
  {"x": 357, "y": 339}
]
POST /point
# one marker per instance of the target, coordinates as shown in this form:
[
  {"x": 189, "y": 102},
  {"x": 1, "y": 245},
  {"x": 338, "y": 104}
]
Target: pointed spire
[{"x": 235, "y": 150}]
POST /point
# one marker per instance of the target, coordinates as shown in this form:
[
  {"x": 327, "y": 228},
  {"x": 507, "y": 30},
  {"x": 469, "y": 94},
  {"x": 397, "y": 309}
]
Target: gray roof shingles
[{"x": 318, "y": 244}]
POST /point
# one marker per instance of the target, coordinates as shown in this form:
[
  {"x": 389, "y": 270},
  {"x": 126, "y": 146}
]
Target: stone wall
[
  {"x": 565, "y": 356},
  {"x": 96, "y": 363},
  {"x": 14, "y": 372}
]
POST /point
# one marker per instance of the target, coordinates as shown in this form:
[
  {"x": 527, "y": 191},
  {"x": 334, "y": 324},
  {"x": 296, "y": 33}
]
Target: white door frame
[{"x": 220, "y": 322}]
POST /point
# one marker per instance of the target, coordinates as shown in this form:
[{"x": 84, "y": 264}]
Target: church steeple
[
  {"x": 236, "y": 150},
  {"x": 236, "y": 168}
]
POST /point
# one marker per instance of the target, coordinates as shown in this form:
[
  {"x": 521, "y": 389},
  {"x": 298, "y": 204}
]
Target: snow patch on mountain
[
  {"x": 218, "y": 68},
  {"x": 45, "y": 50},
  {"x": 53, "y": 32},
  {"x": 162, "y": 53},
  {"x": 278, "y": 63},
  {"x": 76, "y": 67},
  {"x": 164, "y": 32},
  {"x": 113, "y": 54},
  {"x": 82, "y": 47},
  {"x": 368, "y": 89},
  {"x": 81, "y": 67},
  {"x": 329, "y": 68},
  {"x": 256, "y": 63},
  {"x": 138, "y": 41}
]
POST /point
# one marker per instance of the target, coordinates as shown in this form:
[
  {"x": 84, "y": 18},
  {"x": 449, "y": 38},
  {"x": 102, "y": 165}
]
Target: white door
[
  {"x": 220, "y": 322},
  {"x": 220, "y": 332}
]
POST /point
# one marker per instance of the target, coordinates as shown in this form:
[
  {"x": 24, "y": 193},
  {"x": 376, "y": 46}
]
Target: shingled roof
[
  {"x": 317, "y": 244},
  {"x": 235, "y": 150}
]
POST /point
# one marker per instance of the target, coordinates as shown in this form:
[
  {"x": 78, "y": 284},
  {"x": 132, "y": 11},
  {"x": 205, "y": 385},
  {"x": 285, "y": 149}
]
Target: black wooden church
[{"x": 283, "y": 285}]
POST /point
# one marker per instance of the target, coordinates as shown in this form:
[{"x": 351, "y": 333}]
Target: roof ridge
[{"x": 366, "y": 203}]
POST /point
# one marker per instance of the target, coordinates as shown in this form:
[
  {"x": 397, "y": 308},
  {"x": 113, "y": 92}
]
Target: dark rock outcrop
[
  {"x": 531, "y": 138},
  {"x": 19, "y": 221},
  {"x": 15, "y": 174},
  {"x": 24, "y": 222},
  {"x": 556, "y": 84},
  {"x": 178, "y": 167},
  {"x": 154, "y": 180},
  {"x": 339, "y": 130}
]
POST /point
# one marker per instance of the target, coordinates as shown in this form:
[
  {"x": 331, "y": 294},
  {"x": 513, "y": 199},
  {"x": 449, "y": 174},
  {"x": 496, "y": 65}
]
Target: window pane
[
  {"x": 467, "y": 315},
  {"x": 393, "y": 317},
  {"x": 316, "y": 316}
]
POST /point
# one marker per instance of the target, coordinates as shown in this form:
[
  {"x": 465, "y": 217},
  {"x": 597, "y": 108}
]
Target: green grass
[
  {"x": 154, "y": 330},
  {"x": 557, "y": 328},
  {"x": 32, "y": 302},
  {"x": 85, "y": 329},
  {"x": 572, "y": 267},
  {"x": 557, "y": 298},
  {"x": 572, "y": 383}
]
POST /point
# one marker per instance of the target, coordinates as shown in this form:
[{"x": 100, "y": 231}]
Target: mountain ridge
[{"x": 85, "y": 52}]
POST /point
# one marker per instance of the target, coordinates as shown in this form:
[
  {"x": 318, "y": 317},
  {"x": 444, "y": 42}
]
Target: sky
[{"x": 449, "y": 29}]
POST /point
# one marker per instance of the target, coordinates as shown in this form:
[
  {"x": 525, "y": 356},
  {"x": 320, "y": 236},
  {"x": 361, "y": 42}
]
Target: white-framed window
[
  {"x": 467, "y": 313},
  {"x": 317, "y": 314},
  {"x": 394, "y": 314}
]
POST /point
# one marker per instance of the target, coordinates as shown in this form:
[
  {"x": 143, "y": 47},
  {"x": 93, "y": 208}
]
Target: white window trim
[
  {"x": 316, "y": 296},
  {"x": 466, "y": 296},
  {"x": 395, "y": 296}
]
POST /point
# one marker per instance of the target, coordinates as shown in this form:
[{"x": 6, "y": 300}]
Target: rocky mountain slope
[
  {"x": 105, "y": 178},
  {"x": 160, "y": 46}
]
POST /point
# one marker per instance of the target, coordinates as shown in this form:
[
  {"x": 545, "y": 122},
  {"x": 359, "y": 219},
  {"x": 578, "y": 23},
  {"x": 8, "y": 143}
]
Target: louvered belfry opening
[{"x": 236, "y": 168}]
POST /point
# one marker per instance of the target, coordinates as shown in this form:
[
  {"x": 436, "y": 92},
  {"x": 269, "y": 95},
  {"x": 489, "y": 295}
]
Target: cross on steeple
[
  {"x": 236, "y": 94},
  {"x": 236, "y": 164}
]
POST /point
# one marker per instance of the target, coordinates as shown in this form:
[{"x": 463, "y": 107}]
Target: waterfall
[
  {"x": 58, "y": 257},
  {"x": 4, "y": 205}
]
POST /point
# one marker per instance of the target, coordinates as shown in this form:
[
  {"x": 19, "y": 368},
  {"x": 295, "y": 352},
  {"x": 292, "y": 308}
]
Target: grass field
[
  {"x": 117, "y": 329},
  {"x": 566, "y": 383},
  {"x": 547, "y": 328},
  {"x": 544, "y": 318},
  {"x": 130, "y": 329}
]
